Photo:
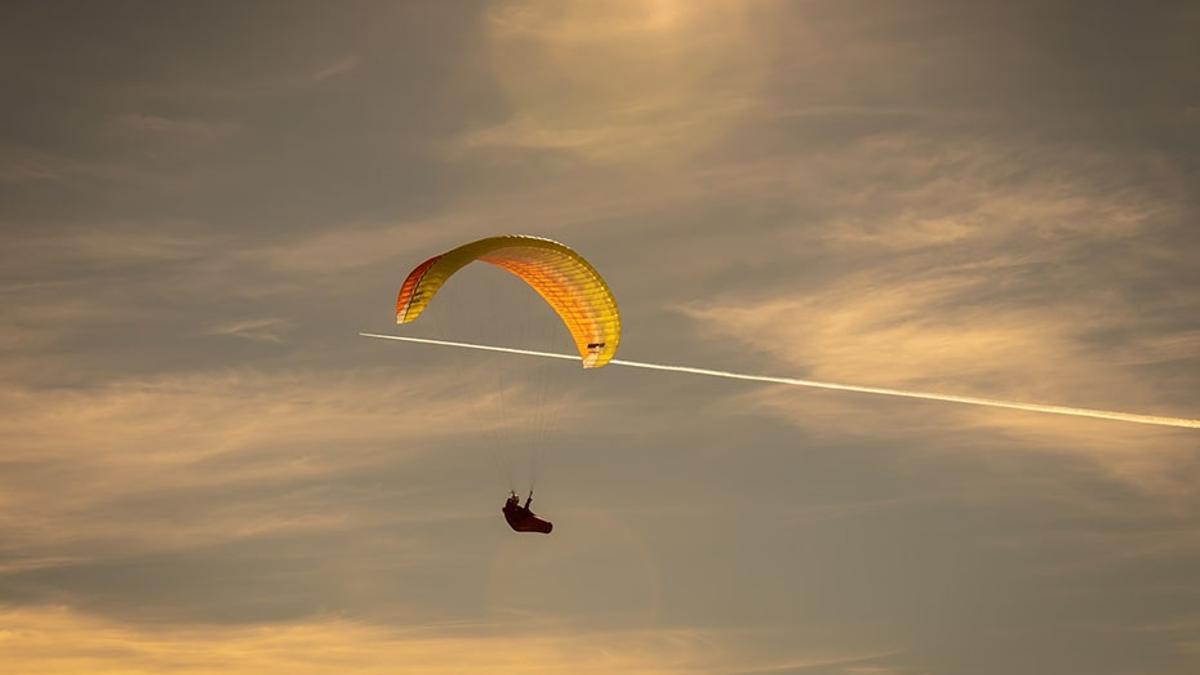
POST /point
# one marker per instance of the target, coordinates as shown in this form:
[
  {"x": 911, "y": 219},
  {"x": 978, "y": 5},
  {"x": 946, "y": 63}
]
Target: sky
[{"x": 204, "y": 469}]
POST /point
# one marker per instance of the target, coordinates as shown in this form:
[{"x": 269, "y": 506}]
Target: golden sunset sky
[{"x": 203, "y": 468}]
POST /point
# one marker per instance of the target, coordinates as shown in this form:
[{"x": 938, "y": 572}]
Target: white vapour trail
[{"x": 950, "y": 398}]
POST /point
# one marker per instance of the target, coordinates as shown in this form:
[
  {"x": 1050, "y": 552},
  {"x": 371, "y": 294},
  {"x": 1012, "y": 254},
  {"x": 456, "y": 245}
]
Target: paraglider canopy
[{"x": 568, "y": 283}]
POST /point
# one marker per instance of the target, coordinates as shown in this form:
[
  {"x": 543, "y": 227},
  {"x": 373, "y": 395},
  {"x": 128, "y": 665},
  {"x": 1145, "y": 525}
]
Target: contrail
[{"x": 950, "y": 398}]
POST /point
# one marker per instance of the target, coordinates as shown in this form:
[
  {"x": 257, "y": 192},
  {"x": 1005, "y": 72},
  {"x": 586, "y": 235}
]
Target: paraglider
[
  {"x": 563, "y": 278},
  {"x": 521, "y": 518}
]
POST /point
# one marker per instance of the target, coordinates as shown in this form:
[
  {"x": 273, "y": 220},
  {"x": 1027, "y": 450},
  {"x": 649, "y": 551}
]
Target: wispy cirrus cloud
[
  {"x": 259, "y": 330},
  {"x": 960, "y": 274},
  {"x": 338, "y": 68},
  {"x": 621, "y": 82},
  {"x": 174, "y": 439},
  {"x": 169, "y": 129},
  {"x": 49, "y": 640}
]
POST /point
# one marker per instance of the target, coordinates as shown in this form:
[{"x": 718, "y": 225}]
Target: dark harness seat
[{"x": 521, "y": 519}]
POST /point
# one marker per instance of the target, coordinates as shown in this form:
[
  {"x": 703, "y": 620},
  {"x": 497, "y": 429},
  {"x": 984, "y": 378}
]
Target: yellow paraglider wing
[{"x": 560, "y": 275}]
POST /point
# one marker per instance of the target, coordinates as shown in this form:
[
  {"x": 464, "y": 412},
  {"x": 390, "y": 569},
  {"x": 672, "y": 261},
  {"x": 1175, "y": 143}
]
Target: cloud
[
  {"x": 114, "y": 246},
  {"x": 60, "y": 286},
  {"x": 622, "y": 81},
  {"x": 29, "y": 169},
  {"x": 338, "y": 68},
  {"x": 32, "y": 168},
  {"x": 50, "y": 640},
  {"x": 962, "y": 274},
  {"x": 257, "y": 330},
  {"x": 180, "y": 130},
  {"x": 260, "y": 439},
  {"x": 343, "y": 248}
]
